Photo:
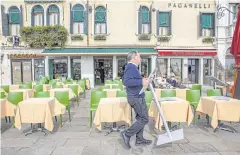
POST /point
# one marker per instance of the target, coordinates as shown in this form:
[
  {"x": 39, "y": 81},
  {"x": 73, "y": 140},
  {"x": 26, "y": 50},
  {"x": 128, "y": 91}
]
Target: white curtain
[
  {"x": 163, "y": 31},
  {"x": 15, "y": 29},
  {"x": 145, "y": 28},
  {"x": 38, "y": 20},
  {"x": 53, "y": 19},
  {"x": 206, "y": 32},
  {"x": 78, "y": 28},
  {"x": 100, "y": 28}
]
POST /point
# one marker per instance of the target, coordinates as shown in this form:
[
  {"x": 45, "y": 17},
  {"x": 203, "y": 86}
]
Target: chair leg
[
  {"x": 61, "y": 121},
  {"x": 13, "y": 122},
  {"x": 69, "y": 114},
  {"x": 9, "y": 119},
  {"x": 194, "y": 117},
  {"x": 90, "y": 121},
  {"x": 6, "y": 119},
  {"x": 207, "y": 117},
  {"x": 78, "y": 100},
  {"x": 56, "y": 118}
]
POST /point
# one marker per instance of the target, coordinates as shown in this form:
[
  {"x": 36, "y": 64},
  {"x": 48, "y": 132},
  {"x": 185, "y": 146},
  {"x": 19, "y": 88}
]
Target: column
[
  {"x": 114, "y": 67},
  {"x": 213, "y": 66},
  {"x": 153, "y": 63},
  {"x": 185, "y": 70},
  {"x": 168, "y": 68},
  {"x": 201, "y": 71},
  {"x": 46, "y": 66},
  {"x": 69, "y": 66},
  {"x": 33, "y": 70},
  {"x": 87, "y": 68}
]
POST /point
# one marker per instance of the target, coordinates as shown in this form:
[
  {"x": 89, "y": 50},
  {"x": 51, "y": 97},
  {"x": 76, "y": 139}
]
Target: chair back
[
  {"x": 53, "y": 82},
  {"x": 193, "y": 97},
  {"x": 117, "y": 82},
  {"x": 29, "y": 84},
  {"x": 106, "y": 87},
  {"x": 74, "y": 88},
  {"x": 96, "y": 96},
  {"x": 197, "y": 87},
  {"x": 214, "y": 92},
  {"x": 2, "y": 95},
  {"x": 168, "y": 93},
  {"x": 82, "y": 84},
  {"x": 15, "y": 97},
  {"x": 121, "y": 94},
  {"x": 57, "y": 86},
  {"x": 41, "y": 94},
  {"x": 38, "y": 88},
  {"x": 116, "y": 87},
  {"x": 109, "y": 82},
  {"x": 69, "y": 82},
  {"x": 5, "y": 88},
  {"x": 62, "y": 97},
  {"x": 148, "y": 98},
  {"x": 25, "y": 87}
]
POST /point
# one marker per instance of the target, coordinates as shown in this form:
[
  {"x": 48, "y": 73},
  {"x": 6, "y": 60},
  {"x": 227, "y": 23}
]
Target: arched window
[
  {"x": 53, "y": 15},
  {"x": 78, "y": 19},
  {"x": 37, "y": 16},
  {"x": 144, "y": 20},
  {"x": 14, "y": 20},
  {"x": 100, "y": 20}
]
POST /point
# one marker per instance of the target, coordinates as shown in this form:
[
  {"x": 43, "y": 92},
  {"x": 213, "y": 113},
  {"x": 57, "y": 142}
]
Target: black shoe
[
  {"x": 126, "y": 139},
  {"x": 143, "y": 142}
]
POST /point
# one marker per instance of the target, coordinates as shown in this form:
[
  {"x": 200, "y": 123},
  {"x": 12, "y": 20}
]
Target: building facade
[{"x": 177, "y": 37}]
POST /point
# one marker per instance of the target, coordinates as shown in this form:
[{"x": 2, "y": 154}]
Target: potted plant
[
  {"x": 164, "y": 38},
  {"x": 144, "y": 37},
  {"x": 208, "y": 40},
  {"x": 77, "y": 37},
  {"x": 100, "y": 37}
]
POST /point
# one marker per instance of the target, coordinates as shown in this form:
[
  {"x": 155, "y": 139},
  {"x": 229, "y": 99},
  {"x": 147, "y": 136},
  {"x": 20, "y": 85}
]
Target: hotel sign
[{"x": 189, "y": 5}]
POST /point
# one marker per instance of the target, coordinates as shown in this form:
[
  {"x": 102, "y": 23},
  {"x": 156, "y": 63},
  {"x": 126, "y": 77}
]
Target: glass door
[
  {"x": 193, "y": 70},
  {"x": 27, "y": 71},
  {"x": 121, "y": 65},
  {"x": 16, "y": 72},
  {"x": 39, "y": 69},
  {"x": 144, "y": 67},
  {"x": 21, "y": 71}
]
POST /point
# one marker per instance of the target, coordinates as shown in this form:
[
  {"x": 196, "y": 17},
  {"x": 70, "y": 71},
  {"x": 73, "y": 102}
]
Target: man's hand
[{"x": 145, "y": 81}]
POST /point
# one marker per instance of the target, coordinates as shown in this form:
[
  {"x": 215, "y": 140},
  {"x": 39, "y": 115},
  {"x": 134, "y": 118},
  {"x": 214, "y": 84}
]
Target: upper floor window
[
  {"x": 53, "y": 15},
  {"x": 207, "y": 24},
  {"x": 144, "y": 20},
  {"x": 14, "y": 20},
  {"x": 37, "y": 16},
  {"x": 100, "y": 20},
  {"x": 78, "y": 19},
  {"x": 164, "y": 23}
]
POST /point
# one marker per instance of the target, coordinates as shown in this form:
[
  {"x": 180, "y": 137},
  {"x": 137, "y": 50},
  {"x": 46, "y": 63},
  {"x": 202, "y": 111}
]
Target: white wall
[
  {"x": 6, "y": 71},
  {"x": 87, "y": 68}
]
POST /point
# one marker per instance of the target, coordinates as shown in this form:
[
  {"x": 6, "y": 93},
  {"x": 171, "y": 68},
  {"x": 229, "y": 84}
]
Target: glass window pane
[
  {"x": 162, "y": 67},
  {"x": 176, "y": 68}
]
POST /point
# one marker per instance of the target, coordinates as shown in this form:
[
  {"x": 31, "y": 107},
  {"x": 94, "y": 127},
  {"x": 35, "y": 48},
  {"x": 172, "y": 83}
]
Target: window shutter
[
  {"x": 200, "y": 24},
  {"x": 157, "y": 22},
  {"x": 94, "y": 17},
  {"x": 71, "y": 19},
  {"x": 21, "y": 16},
  {"x": 5, "y": 23},
  {"x": 86, "y": 20},
  {"x": 150, "y": 20},
  {"x": 170, "y": 23},
  {"x": 43, "y": 18},
  {"x": 214, "y": 24},
  {"x": 32, "y": 18},
  {"x": 58, "y": 17},
  {"x": 140, "y": 20},
  {"x": 106, "y": 19},
  {"x": 48, "y": 17}
]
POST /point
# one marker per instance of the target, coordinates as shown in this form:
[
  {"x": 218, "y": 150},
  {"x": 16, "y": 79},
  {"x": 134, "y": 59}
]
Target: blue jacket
[{"x": 132, "y": 79}]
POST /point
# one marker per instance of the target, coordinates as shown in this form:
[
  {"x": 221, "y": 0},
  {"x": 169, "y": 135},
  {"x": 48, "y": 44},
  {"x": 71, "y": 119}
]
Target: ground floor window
[
  {"x": 76, "y": 69},
  {"x": 121, "y": 62},
  {"x": 162, "y": 64},
  {"x": 144, "y": 67},
  {"x": 21, "y": 71},
  {"x": 103, "y": 70},
  {"x": 58, "y": 68},
  {"x": 176, "y": 68},
  {"x": 39, "y": 69},
  {"x": 207, "y": 69},
  {"x": 229, "y": 70},
  {"x": 193, "y": 71}
]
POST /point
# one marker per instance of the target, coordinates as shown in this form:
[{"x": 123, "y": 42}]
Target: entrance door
[
  {"x": 193, "y": 70},
  {"x": 103, "y": 70},
  {"x": 21, "y": 71}
]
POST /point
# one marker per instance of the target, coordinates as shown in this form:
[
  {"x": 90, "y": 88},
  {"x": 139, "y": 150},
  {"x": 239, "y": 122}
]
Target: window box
[
  {"x": 164, "y": 38},
  {"x": 100, "y": 37},
  {"x": 144, "y": 37},
  {"x": 208, "y": 40},
  {"x": 77, "y": 37}
]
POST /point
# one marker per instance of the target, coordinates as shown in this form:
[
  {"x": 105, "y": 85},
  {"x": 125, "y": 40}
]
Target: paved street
[{"x": 77, "y": 138}]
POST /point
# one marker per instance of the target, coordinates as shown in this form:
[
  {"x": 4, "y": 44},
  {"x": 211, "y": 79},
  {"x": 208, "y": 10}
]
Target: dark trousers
[{"x": 140, "y": 108}]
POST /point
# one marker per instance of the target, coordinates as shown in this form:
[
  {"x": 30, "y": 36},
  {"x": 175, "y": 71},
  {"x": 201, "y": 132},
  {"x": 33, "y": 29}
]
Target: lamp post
[{"x": 221, "y": 10}]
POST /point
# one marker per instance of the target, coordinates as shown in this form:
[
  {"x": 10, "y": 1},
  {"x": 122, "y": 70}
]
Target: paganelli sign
[{"x": 189, "y": 5}]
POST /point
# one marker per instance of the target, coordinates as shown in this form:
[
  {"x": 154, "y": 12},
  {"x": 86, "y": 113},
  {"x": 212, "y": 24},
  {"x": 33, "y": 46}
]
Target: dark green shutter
[
  {"x": 21, "y": 16},
  {"x": 213, "y": 22},
  {"x": 170, "y": 23},
  {"x": 149, "y": 66},
  {"x": 32, "y": 18},
  {"x": 5, "y": 25},
  {"x": 50, "y": 67},
  {"x": 48, "y": 17},
  {"x": 94, "y": 17},
  {"x": 71, "y": 19},
  {"x": 71, "y": 67},
  {"x": 58, "y": 17},
  {"x": 42, "y": 17},
  {"x": 106, "y": 19},
  {"x": 150, "y": 20},
  {"x": 157, "y": 22},
  {"x": 200, "y": 24},
  {"x": 86, "y": 20},
  {"x": 140, "y": 20}
]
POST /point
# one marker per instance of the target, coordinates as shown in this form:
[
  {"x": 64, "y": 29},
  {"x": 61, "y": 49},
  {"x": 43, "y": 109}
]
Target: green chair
[
  {"x": 117, "y": 78},
  {"x": 53, "y": 82},
  {"x": 14, "y": 98},
  {"x": 82, "y": 84},
  {"x": 25, "y": 87},
  {"x": 63, "y": 98},
  {"x": 214, "y": 92},
  {"x": 19, "y": 83},
  {"x": 94, "y": 101},
  {"x": 41, "y": 94},
  {"x": 117, "y": 82},
  {"x": 41, "y": 82},
  {"x": 38, "y": 88},
  {"x": 64, "y": 80},
  {"x": 193, "y": 97},
  {"x": 197, "y": 87},
  {"x": 75, "y": 91},
  {"x": 106, "y": 87},
  {"x": 5, "y": 88},
  {"x": 2, "y": 95},
  {"x": 57, "y": 86},
  {"x": 116, "y": 87},
  {"x": 29, "y": 84},
  {"x": 69, "y": 82},
  {"x": 109, "y": 82},
  {"x": 121, "y": 94},
  {"x": 168, "y": 93},
  {"x": 148, "y": 98}
]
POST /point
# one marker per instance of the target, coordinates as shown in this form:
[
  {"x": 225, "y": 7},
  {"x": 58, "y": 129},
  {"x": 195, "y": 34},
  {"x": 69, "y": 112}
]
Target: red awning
[
  {"x": 187, "y": 52},
  {"x": 235, "y": 47}
]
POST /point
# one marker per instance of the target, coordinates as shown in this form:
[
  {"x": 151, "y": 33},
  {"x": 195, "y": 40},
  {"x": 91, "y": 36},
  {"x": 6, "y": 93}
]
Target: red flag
[{"x": 235, "y": 47}]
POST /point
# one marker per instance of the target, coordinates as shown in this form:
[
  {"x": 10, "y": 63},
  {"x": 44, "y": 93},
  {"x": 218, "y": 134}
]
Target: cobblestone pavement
[{"x": 77, "y": 138}]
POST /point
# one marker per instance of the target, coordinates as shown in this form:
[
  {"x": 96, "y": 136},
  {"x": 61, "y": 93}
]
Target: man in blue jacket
[{"x": 134, "y": 83}]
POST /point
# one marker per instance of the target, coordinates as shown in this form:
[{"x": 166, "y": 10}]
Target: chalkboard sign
[{"x": 236, "y": 90}]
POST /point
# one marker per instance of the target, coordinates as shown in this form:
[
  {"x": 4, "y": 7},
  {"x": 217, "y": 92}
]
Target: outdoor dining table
[
  {"x": 38, "y": 110},
  {"x": 111, "y": 92},
  {"x": 7, "y": 108},
  {"x": 219, "y": 108},
  {"x": 174, "y": 110}
]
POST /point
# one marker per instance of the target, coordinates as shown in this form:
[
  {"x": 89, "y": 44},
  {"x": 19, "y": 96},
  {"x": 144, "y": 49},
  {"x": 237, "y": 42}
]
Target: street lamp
[{"x": 221, "y": 10}]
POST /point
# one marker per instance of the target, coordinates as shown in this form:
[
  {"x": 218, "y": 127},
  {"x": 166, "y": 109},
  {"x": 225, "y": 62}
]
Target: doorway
[
  {"x": 193, "y": 70},
  {"x": 103, "y": 70},
  {"x": 21, "y": 71}
]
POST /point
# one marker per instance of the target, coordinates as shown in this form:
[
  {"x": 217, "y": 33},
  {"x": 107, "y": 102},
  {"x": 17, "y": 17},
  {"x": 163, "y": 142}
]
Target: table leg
[
  {"x": 39, "y": 128},
  {"x": 114, "y": 128},
  {"x": 220, "y": 127}
]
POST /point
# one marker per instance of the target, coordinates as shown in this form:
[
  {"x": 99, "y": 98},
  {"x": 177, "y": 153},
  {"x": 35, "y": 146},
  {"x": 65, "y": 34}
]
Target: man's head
[{"x": 134, "y": 57}]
